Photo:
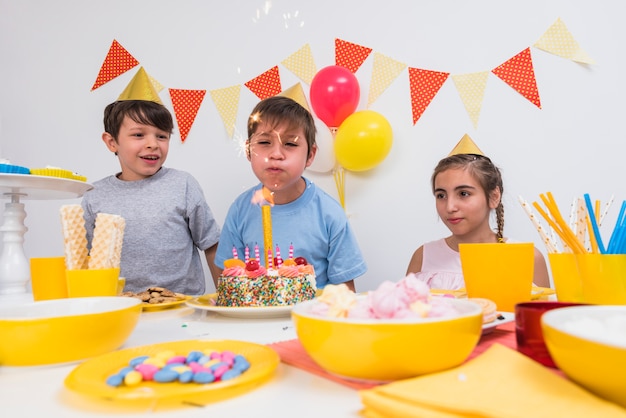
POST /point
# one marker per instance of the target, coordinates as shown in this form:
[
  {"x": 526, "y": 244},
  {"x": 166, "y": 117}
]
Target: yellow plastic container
[
  {"x": 47, "y": 277},
  {"x": 566, "y": 277},
  {"x": 500, "y": 272},
  {"x": 96, "y": 282},
  {"x": 603, "y": 278}
]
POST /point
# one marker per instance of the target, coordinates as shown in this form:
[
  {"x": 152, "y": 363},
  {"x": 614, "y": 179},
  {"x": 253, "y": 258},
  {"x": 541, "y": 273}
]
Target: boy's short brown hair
[
  {"x": 141, "y": 111},
  {"x": 278, "y": 109}
]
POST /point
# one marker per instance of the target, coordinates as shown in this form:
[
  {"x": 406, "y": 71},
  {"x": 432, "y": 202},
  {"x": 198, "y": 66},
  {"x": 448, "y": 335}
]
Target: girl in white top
[{"x": 467, "y": 187}]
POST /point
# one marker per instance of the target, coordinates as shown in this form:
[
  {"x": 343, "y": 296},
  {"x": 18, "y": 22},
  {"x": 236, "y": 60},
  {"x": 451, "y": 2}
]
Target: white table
[
  {"x": 39, "y": 391},
  {"x": 14, "y": 266}
]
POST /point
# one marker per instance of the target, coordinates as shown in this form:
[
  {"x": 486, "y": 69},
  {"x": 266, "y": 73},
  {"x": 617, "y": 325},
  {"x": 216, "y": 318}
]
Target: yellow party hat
[
  {"x": 140, "y": 88},
  {"x": 466, "y": 146},
  {"x": 296, "y": 93}
]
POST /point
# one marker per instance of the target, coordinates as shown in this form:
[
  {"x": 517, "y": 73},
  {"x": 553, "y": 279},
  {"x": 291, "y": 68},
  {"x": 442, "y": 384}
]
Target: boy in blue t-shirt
[{"x": 281, "y": 144}]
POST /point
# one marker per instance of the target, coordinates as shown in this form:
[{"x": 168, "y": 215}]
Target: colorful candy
[{"x": 200, "y": 367}]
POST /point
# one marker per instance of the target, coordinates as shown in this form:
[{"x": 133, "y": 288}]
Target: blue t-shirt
[{"x": 315, "y": 224}]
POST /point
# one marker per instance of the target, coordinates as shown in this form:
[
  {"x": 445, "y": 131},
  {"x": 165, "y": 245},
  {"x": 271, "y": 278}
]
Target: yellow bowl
[
  {"x": 589, "y": 345},
  {"x": 65, "y": 330},
  {"x": 383, "y": 350}
]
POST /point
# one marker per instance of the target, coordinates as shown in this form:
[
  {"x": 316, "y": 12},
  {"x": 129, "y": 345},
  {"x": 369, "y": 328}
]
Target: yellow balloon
[{"x": 363, "y": 140}]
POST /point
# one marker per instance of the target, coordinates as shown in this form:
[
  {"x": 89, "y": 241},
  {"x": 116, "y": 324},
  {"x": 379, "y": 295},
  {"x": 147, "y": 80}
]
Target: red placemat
[{"x": 292, "y": 353}]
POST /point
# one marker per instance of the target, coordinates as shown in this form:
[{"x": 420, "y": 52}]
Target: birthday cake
[{"x": 250, "y": 284}]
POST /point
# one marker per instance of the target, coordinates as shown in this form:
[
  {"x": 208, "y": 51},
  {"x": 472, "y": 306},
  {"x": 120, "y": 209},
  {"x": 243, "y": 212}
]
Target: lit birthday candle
[
  {"x": 267, "y": 233},
  {"x": 246, "y": 254}
]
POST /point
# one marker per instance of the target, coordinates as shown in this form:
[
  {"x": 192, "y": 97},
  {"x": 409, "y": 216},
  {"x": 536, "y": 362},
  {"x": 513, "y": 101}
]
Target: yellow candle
[{"x": 266, "y": 211}]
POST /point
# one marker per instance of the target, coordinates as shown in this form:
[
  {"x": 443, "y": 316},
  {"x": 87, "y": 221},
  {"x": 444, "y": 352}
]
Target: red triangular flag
[
  {"x": 350, "y": 55},
  {"x": 117, "y": 61},
  {"x": 518, "y": 73},
  {"x": 424, "y": 86},
  {"x": 266, "y": 85},
  {"x": 186, "y": 104}
]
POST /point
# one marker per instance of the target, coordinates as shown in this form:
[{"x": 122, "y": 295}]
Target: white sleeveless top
[{"x": 441, "y": 266}]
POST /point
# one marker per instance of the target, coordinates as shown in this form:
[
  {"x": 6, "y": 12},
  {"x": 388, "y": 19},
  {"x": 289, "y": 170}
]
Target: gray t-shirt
[{"x": 167, "y": 222}]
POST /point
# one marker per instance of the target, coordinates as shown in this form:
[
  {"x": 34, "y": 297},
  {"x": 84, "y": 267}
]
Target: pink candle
[
  {"x": 279, "y": 259},
  {"x": 235, "y": 255},
  {"x": 257, "y": 253},
  {"x": 247, "y": 254},
  {"x": 291, "y": 250},
  {"x": 269, "y": 258}
]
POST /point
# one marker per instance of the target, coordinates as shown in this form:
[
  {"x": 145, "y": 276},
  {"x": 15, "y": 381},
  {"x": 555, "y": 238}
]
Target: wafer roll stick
[
  {"x": 106, "y": 246},
  {"x": 74, "y": 236}
]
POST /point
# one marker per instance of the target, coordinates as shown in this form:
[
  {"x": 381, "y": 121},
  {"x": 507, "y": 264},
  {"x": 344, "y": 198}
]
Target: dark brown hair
[
  {"x": 277, "y": 110},
  {"x": 141, "y": 111},
  {"x": 486, "y": 174}
]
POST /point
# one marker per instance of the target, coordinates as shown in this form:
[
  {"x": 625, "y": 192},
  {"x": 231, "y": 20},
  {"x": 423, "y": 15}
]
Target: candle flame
[{"x": 264, "y": 195}]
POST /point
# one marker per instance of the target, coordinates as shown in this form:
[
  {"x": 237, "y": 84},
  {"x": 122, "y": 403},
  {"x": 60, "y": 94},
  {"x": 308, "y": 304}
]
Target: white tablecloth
[{"x": 40, "y": 392}]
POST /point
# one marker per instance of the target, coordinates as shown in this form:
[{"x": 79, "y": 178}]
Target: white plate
[
  {"x": 204, "y": 302},
  {"x": 507, "y": 317}
]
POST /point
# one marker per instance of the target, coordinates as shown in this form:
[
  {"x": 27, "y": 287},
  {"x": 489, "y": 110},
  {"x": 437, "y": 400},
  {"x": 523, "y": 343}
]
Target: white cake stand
[{"x": 14, "y": 266}]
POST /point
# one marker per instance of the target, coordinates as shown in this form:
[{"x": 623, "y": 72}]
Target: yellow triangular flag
[
  {"x": 301, "y": 64},
  {"x": 296, "y": 93},
  {"x": 559, "y": 41},
  {"x": 155, "y": 83},
  {"x": 466, "y": 146},
  {"x": 384, "y": 71},
  {"x": 140, "y": 88},
  {"x": 227, "y": 102},
  {"x": 471, "y": 88}
]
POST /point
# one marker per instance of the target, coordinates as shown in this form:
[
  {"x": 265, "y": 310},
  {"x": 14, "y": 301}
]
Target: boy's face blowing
[
  {"x": 141, "y": 149},
  {"x": 279, "y": 156}
]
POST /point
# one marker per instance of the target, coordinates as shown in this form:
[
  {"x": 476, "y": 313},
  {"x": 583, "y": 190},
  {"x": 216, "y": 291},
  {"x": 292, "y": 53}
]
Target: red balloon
[{"x": 335, "y": 94}]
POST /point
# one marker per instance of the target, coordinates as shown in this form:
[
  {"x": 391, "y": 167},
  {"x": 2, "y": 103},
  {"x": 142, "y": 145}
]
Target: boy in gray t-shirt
[{"x": 167, "y": 217}]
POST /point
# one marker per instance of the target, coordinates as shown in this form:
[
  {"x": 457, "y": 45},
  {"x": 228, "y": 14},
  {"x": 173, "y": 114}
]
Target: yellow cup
[
  {"x": 47, "y": 277},
  {"x": 500, "y": 272},
  {"x": 566, "y": 277},
  {"x": 121, "y": 282},
  {"x": 603, "y": 278},
  {"x": 96, "y": 282}
]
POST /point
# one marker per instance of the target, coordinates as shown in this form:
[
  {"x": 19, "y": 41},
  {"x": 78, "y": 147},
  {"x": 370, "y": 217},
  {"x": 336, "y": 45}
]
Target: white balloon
[{"x": 325, "y": 158}]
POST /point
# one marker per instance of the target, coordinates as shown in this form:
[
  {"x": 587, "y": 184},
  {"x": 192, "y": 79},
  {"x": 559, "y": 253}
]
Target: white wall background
[{"x": 51, "y": 52}]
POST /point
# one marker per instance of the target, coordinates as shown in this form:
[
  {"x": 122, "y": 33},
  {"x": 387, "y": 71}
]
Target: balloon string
[{"x": 339, "y": 176}]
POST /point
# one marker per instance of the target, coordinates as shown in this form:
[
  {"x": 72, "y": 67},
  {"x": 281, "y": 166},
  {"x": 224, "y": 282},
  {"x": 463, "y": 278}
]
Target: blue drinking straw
[{"x": 594, "y": 224}]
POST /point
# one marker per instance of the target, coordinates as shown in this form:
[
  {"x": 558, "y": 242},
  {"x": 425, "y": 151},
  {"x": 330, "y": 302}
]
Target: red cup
[{"x": 528, "y": 329}]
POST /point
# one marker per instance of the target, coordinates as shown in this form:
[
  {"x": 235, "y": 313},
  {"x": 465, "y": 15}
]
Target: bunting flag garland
[
  {"x": 424, "y": 86},
  {"x": 301, "y": 63},
  {"x": 471, "y": 88},
  {"x": 384, "y": 71},
  {"x": 518, "y": 73},
  {"x": 265, "y": 85},
  {"x": 227, "y": 102},
  {"x": 559, "y": 41},
  {"x": 349, "y": 55},
  {"x": 186, "y": 104},
  {"x": 117, "y": 62}
]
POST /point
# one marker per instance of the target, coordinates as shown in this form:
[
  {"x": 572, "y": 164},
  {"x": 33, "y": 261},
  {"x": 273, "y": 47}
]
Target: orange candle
[{"x": 266, "y": 212}]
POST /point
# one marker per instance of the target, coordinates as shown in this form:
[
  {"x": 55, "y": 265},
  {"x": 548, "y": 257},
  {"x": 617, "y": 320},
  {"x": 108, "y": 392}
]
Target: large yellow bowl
[
  {"x": 65, "y": 330},
  {"x": 385, "y": 350},
  {"x": 588, "y": 344}
]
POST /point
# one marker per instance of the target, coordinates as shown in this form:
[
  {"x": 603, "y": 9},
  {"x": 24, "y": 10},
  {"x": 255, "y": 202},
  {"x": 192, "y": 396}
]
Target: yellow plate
[
  {"x": 165, "y": 305},
  {"x": 207, "y": 303},
  {"x": 89, "y": 378}
]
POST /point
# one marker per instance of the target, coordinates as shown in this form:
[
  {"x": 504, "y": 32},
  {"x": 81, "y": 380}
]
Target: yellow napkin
[{"x": 499, "y": 383}]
